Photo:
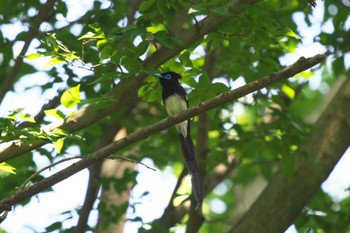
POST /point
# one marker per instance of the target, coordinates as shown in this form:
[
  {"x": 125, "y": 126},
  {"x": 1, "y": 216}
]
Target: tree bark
[
  {"x": 114, "y": 169},
  {"x": 284, "y": 198}
]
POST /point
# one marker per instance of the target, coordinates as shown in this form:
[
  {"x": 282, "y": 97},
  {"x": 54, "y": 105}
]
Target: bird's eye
[{"x": 167, "y": 76}]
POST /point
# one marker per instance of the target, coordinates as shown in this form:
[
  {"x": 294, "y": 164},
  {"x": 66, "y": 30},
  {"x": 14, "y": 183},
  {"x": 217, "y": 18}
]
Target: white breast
[{"x": 174, "y": 105}]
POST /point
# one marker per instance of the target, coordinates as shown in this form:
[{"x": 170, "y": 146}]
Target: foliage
[
  {"x": 325, "y": 215},
  {"x": 110, "y": 43}
]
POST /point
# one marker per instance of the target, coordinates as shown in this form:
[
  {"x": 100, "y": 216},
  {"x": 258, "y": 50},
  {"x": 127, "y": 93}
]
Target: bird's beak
[{"x": 159, "y": 75}]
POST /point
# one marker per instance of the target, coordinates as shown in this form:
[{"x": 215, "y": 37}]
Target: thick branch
[
  {"x": 285, "y": 198},
  {"x": 299, "y": 66},
  {"x": 126, "y": 90}
]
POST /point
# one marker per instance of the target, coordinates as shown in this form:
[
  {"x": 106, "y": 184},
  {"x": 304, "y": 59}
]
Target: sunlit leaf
[
  {"x": 88, "y": 35},
  {"x": 287, "y": 32},
  {"x": 305, "y": 74},
  {"x": 58, "y": 144},
  {"x": 98, "y": 34},
  {"x": 33, "y": 56},
  {"x": 288, "y": 91},
  {"x": 59, "y": 133},
  {"x": 11, "y": 116},
  {"x": 69, "y": 56},
  {"x": 71, "y": 97},
  {"x": 7, "y": 168},
  {"x": 54, "y": 113},
  {"x": 26, "y": 117},
  {"x": 53, "y": 61},
  {"x": 291, "y": 33}
]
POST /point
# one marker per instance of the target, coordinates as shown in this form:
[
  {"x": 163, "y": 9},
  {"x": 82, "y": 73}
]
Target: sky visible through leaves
[{"x": 37, "y": 214}]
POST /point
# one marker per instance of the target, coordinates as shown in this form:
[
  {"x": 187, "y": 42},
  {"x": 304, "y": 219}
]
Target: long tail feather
[{"x": 187, "y": 148}]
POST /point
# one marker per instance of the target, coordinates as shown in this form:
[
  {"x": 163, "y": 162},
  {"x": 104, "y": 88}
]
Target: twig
[
  {"x": 24, "y": 184},
  {"x": 130, "y": 160},
  {"x": 20, "y": 188}
]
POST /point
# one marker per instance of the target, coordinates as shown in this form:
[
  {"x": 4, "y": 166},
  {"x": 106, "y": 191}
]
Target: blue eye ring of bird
[{"x": 167, "y": 76}]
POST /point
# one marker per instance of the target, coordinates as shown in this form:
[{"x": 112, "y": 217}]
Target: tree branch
[
  {"x": 286, "y": 197},
  {"x": 126, "y": 90},
  {"x": 299, "y": 66}
]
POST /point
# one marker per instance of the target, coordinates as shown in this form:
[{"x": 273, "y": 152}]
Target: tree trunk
[{"x": 284, "y": 198}]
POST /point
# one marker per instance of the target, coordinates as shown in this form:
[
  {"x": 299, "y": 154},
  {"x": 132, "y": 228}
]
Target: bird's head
[{"x": 168, "y": 78}]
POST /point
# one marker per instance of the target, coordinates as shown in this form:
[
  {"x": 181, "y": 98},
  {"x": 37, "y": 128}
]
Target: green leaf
[
  {"x": 142, "y": 47},
  {"x": 164, "y": 39},
  {"x": 219, "y": 88},
  {"x": 71, "y": 97},
  {"x": 185, "y": 59},
  {"x": 147, "y": 5},
  {"x": 88, "y": 35},
  {"x": 69, "y": 56},
  {"x": 156, "y": 28},
  {"x": 291, "y": 33},
  {"x": 98, "y": 34},
  {"x": 26, "y": 117},
  {"x": 54, "y": 113},
  {"x": 106, "y": 52},
  {"x": 102, "y": 43},
  {"x": 59, "y": 133},
  {"x": 161, "y": 7},
  {"x": 288, "y": 91},
  {"x": 204, "y": 82},
  {"x": 54, "y": 226},
  {"x": 287, "y": 32},
  {"x": 52, "y": 41},
  {"x": 33, "y": 56},
  {"x": 12, "y": 116},
  {"x": 131, "y": 64},
  {"x": 7, "y": 168},
  {"x": 58, "y": 144},
  {"x": 53, "y": 61}
]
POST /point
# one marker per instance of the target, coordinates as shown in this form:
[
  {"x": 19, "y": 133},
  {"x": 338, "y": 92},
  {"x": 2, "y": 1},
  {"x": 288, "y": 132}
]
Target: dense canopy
[{"x": 268, "y": 89}]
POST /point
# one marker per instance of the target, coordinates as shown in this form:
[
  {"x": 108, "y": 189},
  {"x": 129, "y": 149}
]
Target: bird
[{"x": 175, "y": 101}]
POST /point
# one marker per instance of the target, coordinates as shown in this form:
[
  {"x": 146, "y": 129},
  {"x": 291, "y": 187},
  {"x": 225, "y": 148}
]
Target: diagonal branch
[
  {"x": 299, "y": 66},
  {"x": 126, "y": 90}
]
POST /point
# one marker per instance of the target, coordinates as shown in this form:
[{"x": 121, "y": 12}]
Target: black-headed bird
[{"x": 175, "y": 101}]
